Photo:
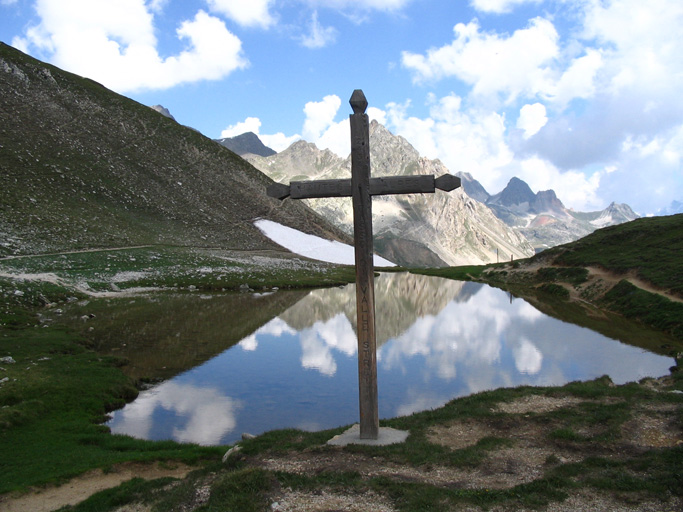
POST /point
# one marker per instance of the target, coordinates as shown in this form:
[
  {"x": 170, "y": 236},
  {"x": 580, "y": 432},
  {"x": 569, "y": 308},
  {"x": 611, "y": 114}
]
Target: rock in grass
[{"x": 231, "y": 452}]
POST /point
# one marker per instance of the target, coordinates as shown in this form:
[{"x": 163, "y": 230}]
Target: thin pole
[{"x": 365, "y": 280}]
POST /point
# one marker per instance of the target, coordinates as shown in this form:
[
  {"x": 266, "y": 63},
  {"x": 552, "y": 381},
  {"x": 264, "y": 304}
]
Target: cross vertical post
[
  {"x": 361, "y": 187},
  {"x": 365, "y": 278}
]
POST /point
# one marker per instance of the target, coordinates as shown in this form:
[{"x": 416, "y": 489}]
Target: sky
[{"x": 580, "y": 96}]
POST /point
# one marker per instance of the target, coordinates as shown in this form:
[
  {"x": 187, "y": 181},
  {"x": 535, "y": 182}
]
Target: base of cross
[{"x": 385, "y": 436}]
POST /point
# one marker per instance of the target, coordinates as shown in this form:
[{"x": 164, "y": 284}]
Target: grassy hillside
[
  {"x": 650, "y": 247},
  {"x": 83, "y": 167},
  {"x": 634, "y": 270}
]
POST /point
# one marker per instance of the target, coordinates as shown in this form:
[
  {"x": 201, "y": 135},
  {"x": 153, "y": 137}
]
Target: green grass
[
  {"x": 179, "y": 267},
  {"x": 649, "y": 246},
  {"x": 463, "y": 273},
  {"x": 135, "y": 490},
  {"x": 59, "y": 390},
  {"x": 56, "y": 394},
  {"x": 653, "y": 310}
]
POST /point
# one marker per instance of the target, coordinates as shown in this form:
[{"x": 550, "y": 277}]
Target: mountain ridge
[
  {"x": 83, "y": 167},
  {"x": 542, "y": 217},
  {"x": 247, "y": 143},
  {"x": 452, "y": 226}
]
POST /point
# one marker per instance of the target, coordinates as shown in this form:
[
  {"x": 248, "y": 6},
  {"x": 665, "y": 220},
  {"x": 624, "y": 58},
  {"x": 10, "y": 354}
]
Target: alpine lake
[{"x": 222, "y": 364}]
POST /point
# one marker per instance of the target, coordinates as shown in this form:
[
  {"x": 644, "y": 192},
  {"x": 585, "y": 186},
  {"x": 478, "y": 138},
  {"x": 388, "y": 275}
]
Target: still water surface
[{"x": 437, "y": 340}]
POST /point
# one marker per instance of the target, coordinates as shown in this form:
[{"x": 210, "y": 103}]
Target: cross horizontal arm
[{"x": 378, "y": 187}]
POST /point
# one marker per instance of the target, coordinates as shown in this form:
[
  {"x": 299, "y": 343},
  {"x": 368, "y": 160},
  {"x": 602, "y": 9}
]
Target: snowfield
[{"x": 312, "y": 246}]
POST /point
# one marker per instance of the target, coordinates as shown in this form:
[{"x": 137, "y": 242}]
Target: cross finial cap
[{"x": 358, "y": 102}]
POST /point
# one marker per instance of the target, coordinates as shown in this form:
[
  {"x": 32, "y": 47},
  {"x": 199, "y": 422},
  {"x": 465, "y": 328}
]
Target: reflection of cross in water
[{"x": 360, "y": 188}]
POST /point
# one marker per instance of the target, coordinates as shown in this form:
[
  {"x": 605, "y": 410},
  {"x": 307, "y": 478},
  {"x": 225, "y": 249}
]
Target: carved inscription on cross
[{"x": 361, "y": 188}]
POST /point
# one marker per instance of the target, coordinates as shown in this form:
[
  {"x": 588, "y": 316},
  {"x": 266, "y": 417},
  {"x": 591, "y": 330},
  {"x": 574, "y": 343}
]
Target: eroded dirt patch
[
  {"x": 653, "y": 428},
  {"x": 82, "y": 487},
  {"x": 327, "y": 501},
  {"x": 537, "y": 404}
]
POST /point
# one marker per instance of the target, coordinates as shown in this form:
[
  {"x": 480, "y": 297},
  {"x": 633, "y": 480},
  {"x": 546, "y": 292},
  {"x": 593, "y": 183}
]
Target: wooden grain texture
[{"x": 365, "y": 279}]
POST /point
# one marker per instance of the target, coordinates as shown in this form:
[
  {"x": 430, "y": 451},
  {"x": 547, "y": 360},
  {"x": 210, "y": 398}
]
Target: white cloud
[
  {"x": 574, "y": 188},
  {"x": 476, "y": 141},
  {"x": 249, "y": 13},
  {"x": 320, "y": 116},
  {"x": 318, "y": 36},
  {"x": 276, "y": 327},
  {"x": 157, "y": 5},
  {"x": 377, "y": 114},
  {"x": 642, "y": 43},
  {"x": 578, "y": 81},
  {"x": 321, "y": 129},
  {"x": 647, "y": 172},
  {"x": 208, "y": 414},
  {"x": 380, "y": 5},
  {"x": 513, "y": 65},
  {"x": 469, "y": 141},
  {"x": 499, "y": 6},
  {"x": 277, "y": 142},
  {"x": 528, "y": 359},
  {"x": 531, "y": 119},
  {"x": 115, "y": 43},
  {"x": 250, "y": 124},
  {"x": 336, "y": 138}
]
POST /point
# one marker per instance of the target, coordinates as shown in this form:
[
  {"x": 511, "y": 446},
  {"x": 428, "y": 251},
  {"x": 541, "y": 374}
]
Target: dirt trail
[
  {"x": 611, "y": 277},
  {"x": 80, "y": 251},
  {"x": 84, "y": 486}
]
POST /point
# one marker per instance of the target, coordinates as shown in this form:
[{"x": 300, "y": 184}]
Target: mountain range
[
  {"x": 82, "y": 167},
  {"x": 540, "y": 217},
  {"x": 412, "y": 230}
]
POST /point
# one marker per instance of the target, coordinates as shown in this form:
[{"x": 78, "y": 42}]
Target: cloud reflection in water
[
  {"x": 207, "y": 415},
  {"x": 437, "y": 339}
]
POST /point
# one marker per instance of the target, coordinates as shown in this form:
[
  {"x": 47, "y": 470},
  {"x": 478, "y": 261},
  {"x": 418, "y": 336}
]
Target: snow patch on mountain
[{"x": 312, "y": 246}]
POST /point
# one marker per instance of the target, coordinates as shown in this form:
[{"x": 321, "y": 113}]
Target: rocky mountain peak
[
  {"x": 472, "y": 187},
  {"x": 411, "y": 230},
  {"x": 163, "y": 111},
  {"x": 245, "y": 144},
  {"x": 391, "y": 155},
  {"x": 516, "y": 194},
  {"x": 615, "y": 213},
  {"x": 546, "y": 201}
]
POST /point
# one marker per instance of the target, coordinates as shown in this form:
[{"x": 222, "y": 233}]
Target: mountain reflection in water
[{"x": 437, "y": 339}]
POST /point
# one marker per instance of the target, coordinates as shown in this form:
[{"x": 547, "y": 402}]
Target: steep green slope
[
  {"x": 652, "y": 247},
  {"x": 83, "y": 167},
  {"x": 634, "y": 269}
]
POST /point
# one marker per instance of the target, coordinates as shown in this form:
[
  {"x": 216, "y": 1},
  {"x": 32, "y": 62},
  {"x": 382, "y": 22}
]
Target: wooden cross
[{"x": 360, "y": 188}]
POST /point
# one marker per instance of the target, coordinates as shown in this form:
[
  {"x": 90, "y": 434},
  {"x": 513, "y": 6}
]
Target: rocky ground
[{"x": 529, "y": 453}]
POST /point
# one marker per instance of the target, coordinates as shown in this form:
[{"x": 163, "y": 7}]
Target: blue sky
[{"x": 581, "y": 96}]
